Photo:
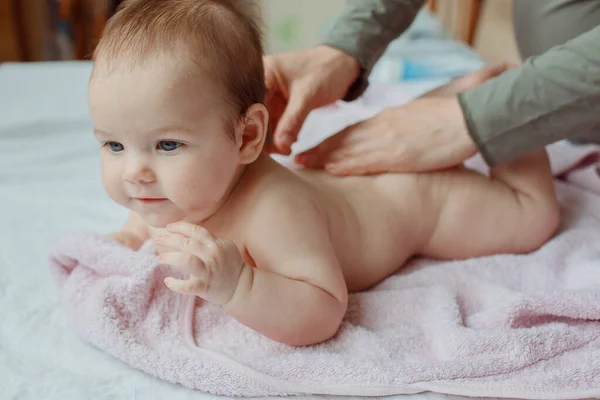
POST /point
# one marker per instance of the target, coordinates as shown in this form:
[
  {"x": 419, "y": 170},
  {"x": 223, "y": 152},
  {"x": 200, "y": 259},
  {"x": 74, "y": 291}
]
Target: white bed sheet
[{"x": 50, "y": 187}]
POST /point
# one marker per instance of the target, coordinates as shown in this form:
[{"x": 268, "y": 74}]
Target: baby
[{"x": 177, "y": 96}]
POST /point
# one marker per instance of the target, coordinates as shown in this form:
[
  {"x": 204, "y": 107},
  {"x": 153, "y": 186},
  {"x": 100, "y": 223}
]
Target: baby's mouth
[{"x": 150, "y": 200}]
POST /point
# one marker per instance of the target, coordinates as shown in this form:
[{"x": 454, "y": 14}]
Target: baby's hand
[
  {"x": 214, "y": 264},
  {"x": 127, "y": 239},
  {"x": 154, "y": 233}
]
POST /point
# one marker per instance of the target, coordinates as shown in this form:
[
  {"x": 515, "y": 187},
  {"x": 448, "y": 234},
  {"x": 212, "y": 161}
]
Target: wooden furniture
[
  {"x": 460, "y": 17},
  {"x": 9, "y": 48},
  {"x": 25, "y": 30},
  {"x": 88, "y": 18},
  {"x": 21, "y": 26},
  {"x": 25, "y": 24},
  {"x": 32, "y": 24}
]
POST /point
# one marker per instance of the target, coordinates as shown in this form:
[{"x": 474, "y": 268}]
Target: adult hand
[
  {"x": 299, "y": 82},
  {"x": 426, "y": 134}
]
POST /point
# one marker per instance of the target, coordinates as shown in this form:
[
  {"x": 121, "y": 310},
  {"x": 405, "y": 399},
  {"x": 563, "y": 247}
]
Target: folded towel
[{"x": 525, "y": 326}]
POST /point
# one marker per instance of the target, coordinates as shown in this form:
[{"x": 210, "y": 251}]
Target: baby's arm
[
  {"x": 513, "y": 211},
  {"x": 298, "y": 294},
  {"x": 134, "y": 233}
]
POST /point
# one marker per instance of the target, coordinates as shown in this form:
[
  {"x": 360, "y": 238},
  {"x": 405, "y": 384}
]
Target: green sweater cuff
[
  {"x": 365, "y": 29},
  {"x": 472, "y": 131}
]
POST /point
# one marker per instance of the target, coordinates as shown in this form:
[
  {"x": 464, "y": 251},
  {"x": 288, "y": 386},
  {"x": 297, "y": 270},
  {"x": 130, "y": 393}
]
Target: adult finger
[
  {"x": 335, "y": 146},
  {"x": 318, "y": 155},
  {"x": 276, "y": 101},
  {"x": 368, "y": 163},
  {"x": 292, "y": 119},
  {"x": 346, "y": 152},
  {"x": 269, "y": 68}
]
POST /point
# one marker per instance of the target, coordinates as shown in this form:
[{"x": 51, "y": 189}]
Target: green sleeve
[
  {"x": 365, "y": 29},
  {"x": 551, "y": 97}
]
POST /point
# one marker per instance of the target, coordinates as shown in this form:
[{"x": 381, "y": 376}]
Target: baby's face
[{"x": 165, "y": 151}]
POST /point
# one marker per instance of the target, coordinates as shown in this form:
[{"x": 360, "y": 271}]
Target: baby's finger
[
  {"x": 192, "y": 231},
  {"x": 183, "y": 262},
  {"x": 180, "y": 286},
  {"x": 177, "y": 242}
]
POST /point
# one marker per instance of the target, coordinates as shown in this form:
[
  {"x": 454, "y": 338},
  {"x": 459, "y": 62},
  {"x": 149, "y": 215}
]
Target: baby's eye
[
  {"x": 169, "y": 145},
  {"x": 115, "y": 146}
]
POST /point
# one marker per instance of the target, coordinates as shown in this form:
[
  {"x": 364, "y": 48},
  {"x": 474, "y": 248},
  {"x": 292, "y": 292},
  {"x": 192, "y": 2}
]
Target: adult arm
[
  {"x": 551, "y": 97},
  {"x": 366, "y": 28}
]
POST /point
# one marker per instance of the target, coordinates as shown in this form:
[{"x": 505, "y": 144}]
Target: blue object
[
  {"x": 424, "y": 51},
  {"x": 438, "y": 64}
]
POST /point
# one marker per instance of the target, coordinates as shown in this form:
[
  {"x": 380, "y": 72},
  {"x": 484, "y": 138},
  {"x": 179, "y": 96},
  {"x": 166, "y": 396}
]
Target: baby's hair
[{"x": 221, "y": 38}]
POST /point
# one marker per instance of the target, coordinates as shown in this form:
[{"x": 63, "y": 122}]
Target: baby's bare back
[{"x": 375, "y": 223}]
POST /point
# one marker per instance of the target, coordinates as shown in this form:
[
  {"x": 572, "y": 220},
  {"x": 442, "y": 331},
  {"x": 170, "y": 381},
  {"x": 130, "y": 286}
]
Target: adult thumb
[{"x": 291, "y": 121}]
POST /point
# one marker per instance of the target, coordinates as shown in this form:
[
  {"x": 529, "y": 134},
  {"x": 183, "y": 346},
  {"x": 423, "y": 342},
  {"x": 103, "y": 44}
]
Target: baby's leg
[{"x": 513, "y": 211}]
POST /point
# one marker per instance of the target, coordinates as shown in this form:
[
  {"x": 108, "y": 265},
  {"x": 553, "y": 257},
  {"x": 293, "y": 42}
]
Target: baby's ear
[{"x": 252, "y": 133}]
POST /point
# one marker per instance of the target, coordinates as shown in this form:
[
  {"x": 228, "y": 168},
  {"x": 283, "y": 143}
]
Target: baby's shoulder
[
  {"x": 284, "y": 221},
  {"x": 284, "y": 202}
]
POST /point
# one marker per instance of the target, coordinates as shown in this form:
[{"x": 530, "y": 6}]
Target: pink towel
[{"x": 525, "y": 326}]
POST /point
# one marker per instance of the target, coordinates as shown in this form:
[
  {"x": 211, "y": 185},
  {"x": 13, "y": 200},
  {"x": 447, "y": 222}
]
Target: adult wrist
[
  {"x": 348, "y": 65},
  {"x": 342, "y": 60},
  {"x": 470, "y": 128}
]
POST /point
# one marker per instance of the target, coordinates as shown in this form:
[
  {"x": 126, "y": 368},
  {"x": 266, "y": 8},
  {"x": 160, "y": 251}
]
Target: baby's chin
[{"x": 160, "y": 220}]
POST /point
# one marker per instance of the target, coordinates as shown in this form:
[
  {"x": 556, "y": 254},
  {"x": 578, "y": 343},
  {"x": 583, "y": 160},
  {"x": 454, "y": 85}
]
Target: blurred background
[{"x": 43, "y": 30}]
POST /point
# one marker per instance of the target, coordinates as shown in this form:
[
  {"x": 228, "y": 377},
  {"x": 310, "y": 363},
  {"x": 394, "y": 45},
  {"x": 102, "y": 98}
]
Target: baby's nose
[{"x": 139, "y": 172}]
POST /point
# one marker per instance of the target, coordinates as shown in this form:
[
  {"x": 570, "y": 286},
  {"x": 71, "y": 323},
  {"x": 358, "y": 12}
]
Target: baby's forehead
[
  {"x": 161, "y": 68},
  {"x": 155, "y": 79},
  {"x": 147, "y": 101}
]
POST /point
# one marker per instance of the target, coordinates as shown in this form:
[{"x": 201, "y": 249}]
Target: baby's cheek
[
  {"x": 188, "y": 192},
  {"x": 111, "y": 178},
  {"x": 112, "y": 186}
]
